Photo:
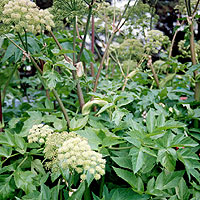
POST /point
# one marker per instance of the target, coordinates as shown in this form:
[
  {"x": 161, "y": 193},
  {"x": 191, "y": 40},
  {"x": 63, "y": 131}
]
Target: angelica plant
[
  {"x": 155, "y": 40},
  {"x": 25, "y": 15},
  {"x": 68, "y": 151}
]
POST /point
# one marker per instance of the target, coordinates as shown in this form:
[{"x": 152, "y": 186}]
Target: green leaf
[
  {"x": 9, "y": 52},
  {"x": 5, "y": 151},
  {"x": 65, "y": 64},
  {"x": 168, "y": 78},
  {"x": 12, "y": 123},
  {"x": 24, "y": 180},
  {"x": 151, "y": 185},
  {"x": 55, "y": 191},
  {"x": 58, "y": 52},
  {"x": 118, "y": 114},
  {"x": 182, "y": 190},
  {"x": 150, "y": 121},
  {"x": 86, "y": 108},
  {"x": 52, "y": 77},
  {"x": 166, "y": 160},
  {"x": 104, "y": 108},
  {"x": 45, "y": 193},
  {"x": 37, "y": 165},
  {"x": 6, "y": 188},
  {"x": 78, "y": 124},
  {"x": 137, "y": 159},
  {"x": 20, "y": 144},
  {"x": 126, "y": 175},
  {"x": 79, "y": 192},
  {"x": 168, "y": 180},
  {"x": 123, "y": 161},
  {"x": 127, "y": 194},
  {"x": 92, "y": 137},
  {"x": 49, "y": 104},
  {"x": 32, "y": 196},
  {"x": 7, "y": 139},
  {"x": 35, "y": 118}
]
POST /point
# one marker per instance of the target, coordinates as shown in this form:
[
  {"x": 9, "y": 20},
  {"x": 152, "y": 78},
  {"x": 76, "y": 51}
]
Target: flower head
[{"x": 25, "y": 11}]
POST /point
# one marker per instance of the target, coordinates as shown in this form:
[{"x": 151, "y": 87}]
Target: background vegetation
[{"x": 119, "y": 86}]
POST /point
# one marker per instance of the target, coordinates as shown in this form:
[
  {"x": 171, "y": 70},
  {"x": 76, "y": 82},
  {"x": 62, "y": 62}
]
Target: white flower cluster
[
  {"x": 155, "y": 40},
  {"x": 24, "y": 14},
  {"x": 76, "y": 154},
  {"x": 38, "y": 133},
  {"x": 53, "y": 142},
  {"x": 184, "y": 48}
]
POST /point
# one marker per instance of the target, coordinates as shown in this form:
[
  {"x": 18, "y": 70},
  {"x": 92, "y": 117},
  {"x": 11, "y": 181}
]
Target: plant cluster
[
  {"x": 155, "y": 41},
  {"x": 25, "y": 15},
  {"x": 126, "y": 129}
]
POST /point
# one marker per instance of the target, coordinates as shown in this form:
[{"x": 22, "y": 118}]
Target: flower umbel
[
  {"x": 76, "y": 154},
  {"x": 25, "y": 15},
  {"x": 38, "y": 133}
]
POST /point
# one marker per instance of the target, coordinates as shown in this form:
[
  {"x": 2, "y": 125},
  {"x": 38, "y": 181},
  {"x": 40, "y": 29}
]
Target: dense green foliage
[{"x": 135, "y": 138}]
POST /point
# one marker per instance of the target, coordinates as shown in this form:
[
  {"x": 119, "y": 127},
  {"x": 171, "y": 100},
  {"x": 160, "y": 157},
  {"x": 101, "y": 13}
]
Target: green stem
[
  {"x": 87, "y": 195},
  {"x": 40, "y": 71},
  {"x": 101, "y": 187},
  {"x": 7, "y": 83},
  {"x": 20, "y": 38},
  {"x": 22, "y": 162},
  {"x": 79, "y": 90},
  {"x": 26, "y": 40},
  {"x": 120, "y": 148},
  {"x": 119, "y": 25},
  {"x": 74, "y": 41},
  {"x": 86, "y": 31}
]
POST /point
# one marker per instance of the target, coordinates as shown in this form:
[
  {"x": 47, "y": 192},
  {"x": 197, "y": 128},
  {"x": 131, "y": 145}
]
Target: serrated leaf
[
  {"x": 20, "y": 144},
  {"x": 6, "y": 189},
  {"x": 52, "y": 77},
  {"x": 137, "y": 159},
  {"x": 37, "y": 164},
  {"x": 118, "y": 114},
  {"x": 124, "y": 162},
  {"x": 150, "y": 121},
  {"x": 126, "y": 175},
  {"x": 79, "y": 192},
  {"x": 24, "y": 180},
  {"x": 45, "y": 192},
  {"x": 5, "y": 151}
]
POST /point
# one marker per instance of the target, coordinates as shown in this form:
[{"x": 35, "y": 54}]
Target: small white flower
[
  {"x": 97, "y": 176},
  {"x": 83, "y": 177}
]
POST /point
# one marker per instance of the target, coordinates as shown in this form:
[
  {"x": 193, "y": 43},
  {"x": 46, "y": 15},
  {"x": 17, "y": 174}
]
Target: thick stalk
[
  {"x": 86, "y": 31},
  {"x": 74, "y": 42},
  {"x": 153, "y": 71},
  {"x": 193, "y": 58},
  {"x": 40, "y": 71},
  {"x": 92, "y": 46},
  {"x": 119, "y": 25},
  {"x": 102, "y": 62},
  {"x": 79, "y": 90},
  {"x": 1, "y": 114}
]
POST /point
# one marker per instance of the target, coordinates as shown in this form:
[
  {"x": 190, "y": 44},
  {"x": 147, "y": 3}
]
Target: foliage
[{"x": 130, "y": 140}]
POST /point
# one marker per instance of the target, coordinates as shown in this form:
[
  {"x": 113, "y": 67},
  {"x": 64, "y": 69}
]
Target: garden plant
[{"x": 94, "y": 102}]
